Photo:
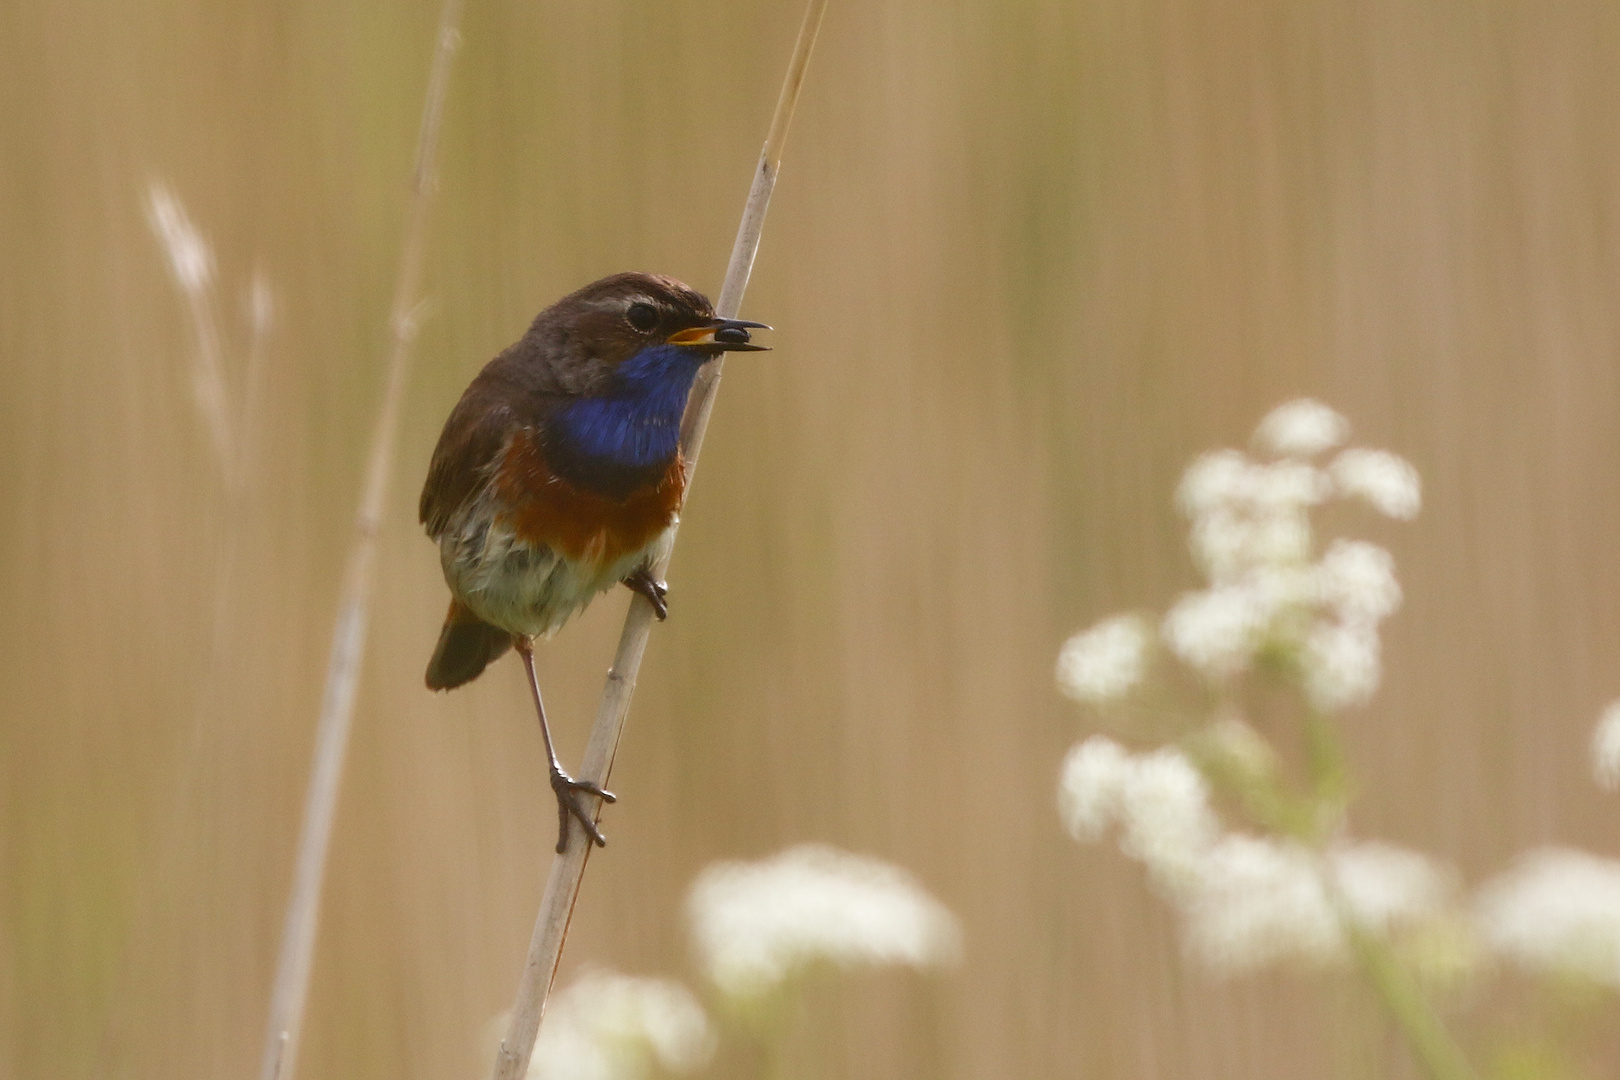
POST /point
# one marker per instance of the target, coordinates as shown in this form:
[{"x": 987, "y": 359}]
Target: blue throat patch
[{"x": 638, "y": 424}]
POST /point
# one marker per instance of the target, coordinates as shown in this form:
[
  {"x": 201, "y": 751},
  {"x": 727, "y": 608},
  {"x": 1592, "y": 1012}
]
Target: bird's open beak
[{"x": 722, "y": 335}]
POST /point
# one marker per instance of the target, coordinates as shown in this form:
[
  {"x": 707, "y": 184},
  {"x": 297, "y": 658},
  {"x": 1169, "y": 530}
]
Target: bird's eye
[{"x": 642, "y": 316}]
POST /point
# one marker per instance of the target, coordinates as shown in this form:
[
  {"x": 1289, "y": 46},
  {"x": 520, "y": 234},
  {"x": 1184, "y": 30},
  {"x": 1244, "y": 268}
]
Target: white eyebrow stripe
[{"x": 623, "y": 303}]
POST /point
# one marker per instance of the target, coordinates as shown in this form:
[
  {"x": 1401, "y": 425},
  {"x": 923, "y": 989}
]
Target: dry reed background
[{"x": 1025, "y": 260}]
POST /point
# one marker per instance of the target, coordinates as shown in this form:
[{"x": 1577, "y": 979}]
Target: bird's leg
[
  {"x": 640, "y": 581},
  {"x": 565, "y": 787}
]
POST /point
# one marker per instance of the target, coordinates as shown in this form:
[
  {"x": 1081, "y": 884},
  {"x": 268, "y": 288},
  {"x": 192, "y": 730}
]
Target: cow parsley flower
[
  {"x": 1244, "y": 901},
  {"x": 756, "y": 924},
  {"x": 1214, "y": 481},
  {"x": 1384, "y": 886},
  {"x": 1257, "y": 902},
  {"x": 1247, "y": 515},
  {"x": 1261, "y": 901},
  {"x": 1289, "y": 484},
  {"x": 1105, "y": 662},
  {"x": 1301, "y": 428},
  {"x": 1606, "y": 749},
  {"x": 1227, "y": 544},
  {"x": 1251, "y": 535},
  {"x": 618, "y": 1027},
  {"x": 1159, "y": 800},
  {"x": 1341, "y": 665},
  {"x": 1094, "y": 776},
  {"x": 1557, "y": 910},
  {"x": 1166, "y": 820},
  {"x": 1357, "y": 579},
  {"x": 1218, "y": 630},
  {"x": 1386, "y": 481}
]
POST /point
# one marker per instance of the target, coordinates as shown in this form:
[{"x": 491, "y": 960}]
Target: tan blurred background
[{"x": 1025, "y": 260}]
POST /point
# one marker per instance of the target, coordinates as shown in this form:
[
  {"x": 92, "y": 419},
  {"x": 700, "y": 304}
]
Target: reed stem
[
  {"x": 568, "y": 869},
  {"x": 291, "y": 987}
]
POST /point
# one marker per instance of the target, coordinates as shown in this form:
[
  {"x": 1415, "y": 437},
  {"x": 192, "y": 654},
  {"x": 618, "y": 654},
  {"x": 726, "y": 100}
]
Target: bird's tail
[{"x": 466, "y": 645}]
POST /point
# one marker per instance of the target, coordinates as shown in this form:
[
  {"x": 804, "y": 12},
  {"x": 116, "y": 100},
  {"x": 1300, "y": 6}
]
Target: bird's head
[{"x": 613, "y": 328}]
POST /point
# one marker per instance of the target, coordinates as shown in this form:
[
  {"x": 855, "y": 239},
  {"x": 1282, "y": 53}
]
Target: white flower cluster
[
  {"x": 1158, "y": 800},
  {"x": 1389, "y": 484},
  {"x": 1301, "y": 429},
  {"x": 1245, "y": 901},
  {"x": 756, "y": 924},
  {"x": 1558, "y": 911},
  {"x": 1251, "y": 536},
  {"x": 1105, "y": 662},
  {"x": 1261, "y": 901},
  {"x": 618, "y": 1027}
]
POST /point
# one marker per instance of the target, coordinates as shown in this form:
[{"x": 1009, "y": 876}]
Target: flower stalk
[
  {"x": 1279, "y": 609},
  {"x": 1432, "y": 1044}
]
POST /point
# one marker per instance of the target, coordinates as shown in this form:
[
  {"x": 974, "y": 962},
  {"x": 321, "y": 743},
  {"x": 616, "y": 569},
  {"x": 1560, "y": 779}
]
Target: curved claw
[
  {"x": 640, "y": 581},
  {"x": 569, "y": 804}
]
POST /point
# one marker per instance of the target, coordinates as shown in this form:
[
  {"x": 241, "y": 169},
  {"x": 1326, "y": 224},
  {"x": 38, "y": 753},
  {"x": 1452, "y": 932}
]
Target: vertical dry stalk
[
  {"x": 568, "y": 869},
  {"x": 233, "y": 421},
  {"x": 291, "y": 987},
  {"x": 235, "y": 435}
]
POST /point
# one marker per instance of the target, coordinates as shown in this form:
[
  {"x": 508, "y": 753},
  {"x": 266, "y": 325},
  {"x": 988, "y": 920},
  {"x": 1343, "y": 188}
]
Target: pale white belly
[{"x": 526, "y": 588}]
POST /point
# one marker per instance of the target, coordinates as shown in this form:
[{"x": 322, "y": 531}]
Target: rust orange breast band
[{"x": 543, "y": 508}]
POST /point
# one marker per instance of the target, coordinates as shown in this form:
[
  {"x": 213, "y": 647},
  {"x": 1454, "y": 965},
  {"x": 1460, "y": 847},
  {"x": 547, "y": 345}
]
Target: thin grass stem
[
  {"x": 568, "y": 869},
  {"x": 290, "y": 990}
]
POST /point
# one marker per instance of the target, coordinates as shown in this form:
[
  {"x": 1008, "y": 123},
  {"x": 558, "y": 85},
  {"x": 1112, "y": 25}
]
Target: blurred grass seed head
[{"x": 191, "y": 260}]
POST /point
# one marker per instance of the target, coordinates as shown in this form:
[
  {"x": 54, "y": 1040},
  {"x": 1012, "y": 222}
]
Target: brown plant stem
[
  {"x": 568, "y": 869},
  {"x": 291, "y": 987}
]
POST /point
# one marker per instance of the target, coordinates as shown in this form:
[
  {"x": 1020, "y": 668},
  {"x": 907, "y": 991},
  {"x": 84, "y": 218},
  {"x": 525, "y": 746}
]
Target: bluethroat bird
[{"x": 559, "y": 475}]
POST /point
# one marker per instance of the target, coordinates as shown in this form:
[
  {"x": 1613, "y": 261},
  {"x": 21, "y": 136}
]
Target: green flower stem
[
  {"x": 1436, "y": 1051},
  {"x": 1312, "y": 819},
  {"x": 1329, "y": 777}
]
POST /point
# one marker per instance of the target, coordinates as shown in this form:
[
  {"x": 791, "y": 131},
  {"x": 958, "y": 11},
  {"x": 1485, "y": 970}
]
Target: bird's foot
[
  {"x": 640, "y": 581},
  {"x": 571, "y": 804}
]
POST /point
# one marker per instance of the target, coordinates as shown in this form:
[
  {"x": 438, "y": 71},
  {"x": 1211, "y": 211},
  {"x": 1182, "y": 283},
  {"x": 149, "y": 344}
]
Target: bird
[{"x": 559, "y": 475}]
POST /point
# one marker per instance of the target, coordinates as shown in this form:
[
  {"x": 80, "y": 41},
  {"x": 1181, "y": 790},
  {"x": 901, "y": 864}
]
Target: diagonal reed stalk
[
  {"x": 568, "y": 869},
  {"x": 291, "y": 987}
]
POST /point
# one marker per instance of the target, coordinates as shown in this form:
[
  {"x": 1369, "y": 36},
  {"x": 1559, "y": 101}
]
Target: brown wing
[{"x": 468, "y": 446}]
